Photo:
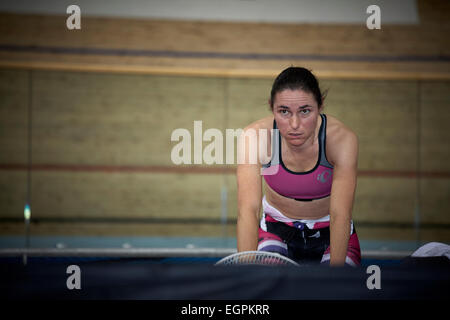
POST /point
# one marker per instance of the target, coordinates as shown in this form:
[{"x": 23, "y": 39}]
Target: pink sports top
[{"x": 301, "y": 186}]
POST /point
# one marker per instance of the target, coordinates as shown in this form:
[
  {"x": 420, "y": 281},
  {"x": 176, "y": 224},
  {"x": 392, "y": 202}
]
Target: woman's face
[{"x": 296, "y": 113}]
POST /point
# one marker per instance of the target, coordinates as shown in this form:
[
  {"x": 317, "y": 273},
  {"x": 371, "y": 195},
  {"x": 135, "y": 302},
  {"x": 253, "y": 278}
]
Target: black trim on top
[{"x": 297, "y": 199}]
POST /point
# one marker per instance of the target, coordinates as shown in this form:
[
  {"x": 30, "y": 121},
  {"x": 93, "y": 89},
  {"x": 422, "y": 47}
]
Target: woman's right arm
[{"x": 249, "y": 204}]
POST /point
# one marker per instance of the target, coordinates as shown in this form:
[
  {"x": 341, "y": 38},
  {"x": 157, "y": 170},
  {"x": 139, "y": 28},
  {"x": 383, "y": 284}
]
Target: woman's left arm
[{"x": 345, "y": 158}]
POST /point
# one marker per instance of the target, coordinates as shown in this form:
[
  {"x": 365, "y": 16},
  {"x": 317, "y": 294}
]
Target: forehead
[{"x": 294, "y": 98}]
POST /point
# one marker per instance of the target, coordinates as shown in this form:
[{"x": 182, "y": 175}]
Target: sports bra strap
[
  {"x": 322, "y": 143},
  {"x": 276, "y": 140}
]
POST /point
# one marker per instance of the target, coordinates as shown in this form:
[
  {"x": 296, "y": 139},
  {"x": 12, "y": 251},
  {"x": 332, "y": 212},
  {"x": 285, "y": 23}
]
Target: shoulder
[
  {"x": 264, "y": 123},
  {"x": 342, "y": 142},
  {"x": 253, "y": 138},
  {"x": 338, "y": 132}
]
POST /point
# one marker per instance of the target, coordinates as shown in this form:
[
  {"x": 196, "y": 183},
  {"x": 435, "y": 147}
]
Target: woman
[{"x": 310, "y": 179}]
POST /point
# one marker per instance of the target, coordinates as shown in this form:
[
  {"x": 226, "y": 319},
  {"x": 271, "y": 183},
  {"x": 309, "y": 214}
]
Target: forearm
[
  {"x": 339, "y": 237},
  {"x": 247, "y": 232}
]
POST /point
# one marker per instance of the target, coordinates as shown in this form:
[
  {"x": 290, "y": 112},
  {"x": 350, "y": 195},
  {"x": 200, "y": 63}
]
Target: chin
[{"x": 296, "y": 142}]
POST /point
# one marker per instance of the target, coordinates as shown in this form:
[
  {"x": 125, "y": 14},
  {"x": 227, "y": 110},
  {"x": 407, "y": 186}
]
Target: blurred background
[{"x": 86, "y": 115}]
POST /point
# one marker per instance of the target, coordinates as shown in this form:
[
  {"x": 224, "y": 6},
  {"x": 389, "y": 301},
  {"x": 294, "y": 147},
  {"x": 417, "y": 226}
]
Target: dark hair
[{"x": 294, "y": 78}]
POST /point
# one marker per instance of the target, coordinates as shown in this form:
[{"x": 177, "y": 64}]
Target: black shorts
[{"x": 304, "y": 244}]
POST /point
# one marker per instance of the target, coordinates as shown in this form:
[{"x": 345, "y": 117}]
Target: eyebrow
[{"x": 300, "y": 107}]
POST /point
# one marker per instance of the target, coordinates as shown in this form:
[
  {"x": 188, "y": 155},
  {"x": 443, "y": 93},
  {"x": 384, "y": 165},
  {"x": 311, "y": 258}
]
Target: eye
[
  {"x": 305, "y": 111},
  {"x": 284, "y": 111}
]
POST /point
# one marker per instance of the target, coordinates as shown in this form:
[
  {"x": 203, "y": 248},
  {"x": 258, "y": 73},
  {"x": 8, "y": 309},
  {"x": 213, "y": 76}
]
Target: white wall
[{"x": 284, "y": 11}]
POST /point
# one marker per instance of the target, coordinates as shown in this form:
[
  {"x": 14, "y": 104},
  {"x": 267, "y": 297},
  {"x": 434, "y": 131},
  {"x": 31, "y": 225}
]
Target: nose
[{"x": 294, "y": 122}]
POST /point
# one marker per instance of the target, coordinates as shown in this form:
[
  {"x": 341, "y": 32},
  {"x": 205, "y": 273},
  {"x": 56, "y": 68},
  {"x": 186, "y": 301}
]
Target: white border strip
[
  {"x": 160, "y": 252},
  {"x": 117, "y": 252},
  {"x": 281, "y": 11}
]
